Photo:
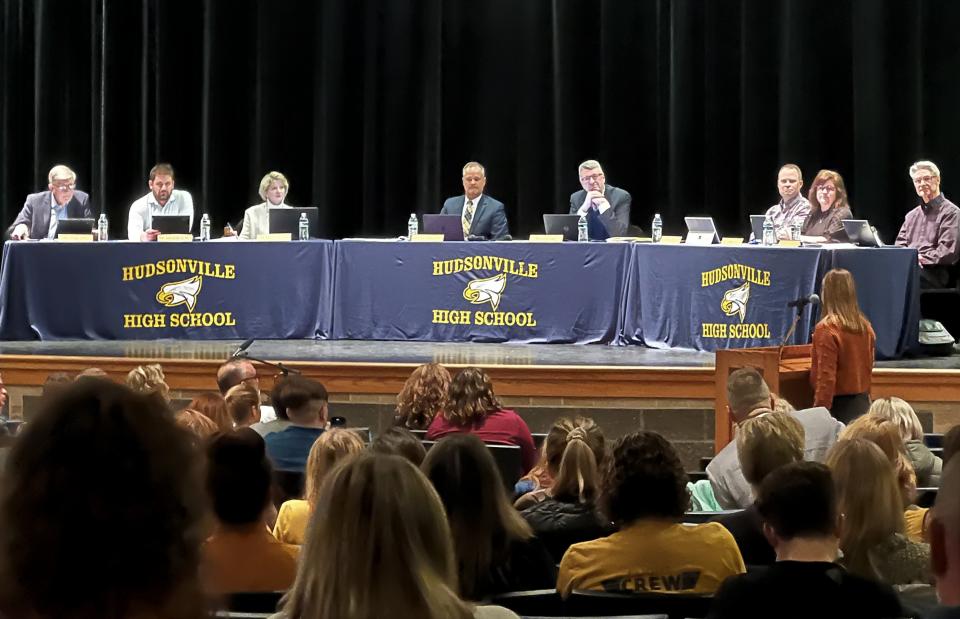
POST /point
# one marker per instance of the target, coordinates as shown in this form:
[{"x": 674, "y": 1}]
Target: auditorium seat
[
  {"x": 926, "y": 496},
  {"x": 933, "y": 440},
  {"x": 704, "y": 462},
  {"x": 696, "y": 476},
  {"x": 365, "y": 434},
  {"x": 701, "y": 517},
  {"x": 539, "y": 603},
  {"x": 507, "y": 459},
  {"x": 538, "y": 438},
  {"x": 671, "y": 605},
  {"x": 937, "y": 451},
  {"x": 254, "y": 601}
]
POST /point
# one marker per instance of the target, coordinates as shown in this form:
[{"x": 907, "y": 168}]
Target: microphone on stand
[
  {"x": 241, "y": 349},
  {"x": 802, "y": 302}
]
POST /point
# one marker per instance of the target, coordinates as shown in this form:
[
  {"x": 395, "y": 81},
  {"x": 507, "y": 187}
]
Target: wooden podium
[{"x": 787, "y": 375}]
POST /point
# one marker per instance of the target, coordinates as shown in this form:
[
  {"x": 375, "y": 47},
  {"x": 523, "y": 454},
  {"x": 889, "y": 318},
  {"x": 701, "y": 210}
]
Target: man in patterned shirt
[{"x": 793, "y": 208}]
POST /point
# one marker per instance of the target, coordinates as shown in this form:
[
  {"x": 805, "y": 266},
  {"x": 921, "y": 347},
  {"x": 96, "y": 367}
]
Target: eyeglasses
[
  {"x": 69, "y": 187},
  {"x": 923, "y": 179},
  {"x": 591, "y": 177},
  {"x": 826, "y": 189}
]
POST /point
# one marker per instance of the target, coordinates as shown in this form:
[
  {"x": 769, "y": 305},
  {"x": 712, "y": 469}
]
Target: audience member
[
  {"x": 885, "y": 435},
  {"x": 555, "y": 445},
  {"x": 102, "y": 505},
  {"x": 95, "y": 373},
  {"x": 398, "y": 441},
  {"x": 240, "y": 370},
  {"x": 243, "y": 406},
  {"x": 951, "y": 443},
  {"x": 926, "y": 466},
  {"x": 945, "y": 542},
  {"x": 55, "y": 383},
  {"x": 495, "y": 548},
  {"x": 843, "y": 350},
  {"x": 472, "y": 407},
  {"x": 149, "y": 380},
  {"x": 242, "y": 555},
  {"x": 645, "y": 494},
  {"x": 872, "y": 537},
  {"x": 828, "y": 197},
  {"x": 748, "y": 396},
  {"x": 332, "y": 446},
  {"x": 379, "y": 546},
  {"x": 213, "y": 406},
  {"x": 305, "y": 406},
  {"x": 567, "y": 512},
  {"x": 764, "y": 444},
  {"x": 801, "y": 520},
  {"x": 423, "y": 396},
  {"x": 196, "y": 423}
]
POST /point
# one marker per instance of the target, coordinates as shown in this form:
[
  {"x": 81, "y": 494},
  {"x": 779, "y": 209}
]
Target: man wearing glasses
[
  {"x": 603, "y": 204},
  {"x": 41, "y": 211},
  {"x": 931, "y": 227}
]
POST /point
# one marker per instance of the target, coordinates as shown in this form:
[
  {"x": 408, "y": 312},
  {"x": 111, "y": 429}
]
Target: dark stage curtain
[{"x": 371, "y": 107}]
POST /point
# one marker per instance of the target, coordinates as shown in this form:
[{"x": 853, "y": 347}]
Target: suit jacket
[
  {"x": 36, "y": 212},
  {"x": 617, "y": 218},
  {"x": 489, "y": 217}
]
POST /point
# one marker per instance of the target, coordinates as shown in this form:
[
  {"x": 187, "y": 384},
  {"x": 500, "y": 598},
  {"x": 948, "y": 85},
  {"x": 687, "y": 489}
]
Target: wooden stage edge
[{"x": 592, "y": 382}]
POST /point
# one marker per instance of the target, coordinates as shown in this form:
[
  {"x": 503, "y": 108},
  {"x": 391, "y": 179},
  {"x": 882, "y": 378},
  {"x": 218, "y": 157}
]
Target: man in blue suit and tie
[
  {"x": 480, "y": 215},
  {"x": 607, "y": 207},
  {"x": 40, "y": 213}
]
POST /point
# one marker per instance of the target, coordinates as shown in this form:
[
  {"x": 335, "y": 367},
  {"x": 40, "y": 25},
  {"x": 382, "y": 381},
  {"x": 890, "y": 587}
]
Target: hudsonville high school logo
[
  {"x": 180, "y": 294},
  {"x": 735, "y": 301},
  {"x": 485, "y": 289}
]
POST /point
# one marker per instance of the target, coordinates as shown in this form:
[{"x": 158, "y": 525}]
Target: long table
[{"x": 665, "y": 296}]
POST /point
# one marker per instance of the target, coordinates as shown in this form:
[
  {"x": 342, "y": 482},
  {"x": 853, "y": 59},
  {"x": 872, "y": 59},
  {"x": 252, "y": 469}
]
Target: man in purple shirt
[{"x": 931, "y": 228}]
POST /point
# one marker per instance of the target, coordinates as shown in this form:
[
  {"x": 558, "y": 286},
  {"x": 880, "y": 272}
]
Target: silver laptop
[
  {"x": 701, "y": 231},
  {"x": 862, "y": 233}
]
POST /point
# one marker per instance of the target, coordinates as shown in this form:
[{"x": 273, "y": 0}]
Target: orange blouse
[{"x": 842, "y": 362}]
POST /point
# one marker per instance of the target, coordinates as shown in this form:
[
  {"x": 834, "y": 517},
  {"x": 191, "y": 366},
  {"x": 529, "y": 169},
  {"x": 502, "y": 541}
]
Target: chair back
[
  {"x": 673, "y": 605},
  {"x": 254, "y": 601},
  {"x": 507, "y": 459}
]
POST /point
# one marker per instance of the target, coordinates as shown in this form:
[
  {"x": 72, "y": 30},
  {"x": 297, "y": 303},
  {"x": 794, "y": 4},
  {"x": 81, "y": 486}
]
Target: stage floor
[{"x": 385, "y": 352}]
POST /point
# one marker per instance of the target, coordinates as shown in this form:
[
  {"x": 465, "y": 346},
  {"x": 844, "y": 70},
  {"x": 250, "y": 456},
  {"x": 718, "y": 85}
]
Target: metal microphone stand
[{"x": 277, "y": 366}]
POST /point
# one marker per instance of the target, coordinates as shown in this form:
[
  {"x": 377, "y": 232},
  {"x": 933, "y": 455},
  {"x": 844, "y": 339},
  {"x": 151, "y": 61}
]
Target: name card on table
[
  {"x": 670, "y": 240},
  {"x": 546, "y": 238},
  {"x": 731, "y": 241},
  {"x": 275, "y": 236},
  {"x": 75, "y": 238},
  {"x": 427, "y": 238},
  {"x": 175, "y": 238},
  {"x": 786, "y": 243}
]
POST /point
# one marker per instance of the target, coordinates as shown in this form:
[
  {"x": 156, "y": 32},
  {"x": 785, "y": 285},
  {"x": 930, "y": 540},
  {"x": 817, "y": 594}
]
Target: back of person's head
[
  {"x": 945, "y": 535},
  {"x": 329, "y": 448},
  {"x": 884, "y": 434},
  {"x": 196, "y": 423},
  {"x": 213, "y": 406},
  {"x": 423, "y": 396},
  {"x": 243, "y": 405},
  {"x": 102, "y": 505},
  {"x": 783, "y": 406},
  {"x": 470, "y": 397},
  {"x": 839, "y": 296},
  {"x": 766, "y": 443},
  {"x": 238, "y": 477},
  {"x": 482, "y": 520},
  {"x": 94, "y": 373},
  {"x": 55, "y": 383},
  {"x": 951, "y": 443},
  {"x": 644, "y": 478},
  {"x": 399, "y": 441},
  {"x": 746, "y": 391},
  {"x": 869, "y": 498},
  {"x": 149, "y": 379},
  {"x": 303, "y": 400},
  {"x": 799, "y": 500},
  {"x": 234, "y": 372},
  {"x": 377, "y": 546},
  {"x": 899, "y": 413},
  {"x": 577, "y": 475}
]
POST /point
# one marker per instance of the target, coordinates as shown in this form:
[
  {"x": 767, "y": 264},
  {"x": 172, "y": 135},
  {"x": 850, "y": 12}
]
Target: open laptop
[
  {"x": 449, "y": 226},
  {"x": 561, "y": 224},
  {"x": 756, "y": 226},
  {"x": 701, "y": 231},
  {"x": 171, "y": 224},
  {"x": 287, "y": 219},
  {"x": 79, "y": 225},
  {"x": 862, "y": 233}
]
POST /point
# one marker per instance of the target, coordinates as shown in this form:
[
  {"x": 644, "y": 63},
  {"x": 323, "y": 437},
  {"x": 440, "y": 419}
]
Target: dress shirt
[
  {"x": 56, "y": 214},
  {"x": 932, "y": 230},
  {"x": 827, "y": 224},
  {"x": 256, "y": 220},
  {"x": 790, "y": 213},
  {"x": 142, "y": 211}
]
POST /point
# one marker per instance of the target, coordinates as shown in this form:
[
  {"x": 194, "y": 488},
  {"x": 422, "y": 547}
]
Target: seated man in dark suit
[
  {"x": 604, "y": 204},
  {"x": 481, "y": 215},
  {"x": 41, "y": 211}
]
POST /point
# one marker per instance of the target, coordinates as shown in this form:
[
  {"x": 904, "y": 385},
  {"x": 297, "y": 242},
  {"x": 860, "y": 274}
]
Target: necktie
[{"x": 467, "y": 218}]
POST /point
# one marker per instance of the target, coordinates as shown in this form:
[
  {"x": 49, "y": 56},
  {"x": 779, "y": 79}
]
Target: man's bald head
[{"x": 234, "y": 372}]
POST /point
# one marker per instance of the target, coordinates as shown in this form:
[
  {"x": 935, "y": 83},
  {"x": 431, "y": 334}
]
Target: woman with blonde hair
[
  {"x": 926, "y": 465},
  {"x": 243, "y": 405},
  {"x": 843, "y": 350},
  {"x": 273, "y": 191},
  {"x": 423, "y": 396},
  {"x": 149, "y": 379},
  {"x": 872, "y": 537},
  {"x": 828, "y": 197},
  {"x": 378, "y": 545},
  {"x": 333, "y": 446}
]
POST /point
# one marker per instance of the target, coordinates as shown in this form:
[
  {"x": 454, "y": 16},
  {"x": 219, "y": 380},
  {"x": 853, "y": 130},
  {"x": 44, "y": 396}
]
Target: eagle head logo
[
  {"x": 183, "y": 292},
  {"x": 735, "y": 301},
  {"x": 487, "y": 289}
]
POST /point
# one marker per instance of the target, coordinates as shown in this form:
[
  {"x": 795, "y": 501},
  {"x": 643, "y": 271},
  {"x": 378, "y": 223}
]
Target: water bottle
[
  {"x": 656, "y": 231},
  {"x": 102, "y": 227},
  {"x": 583, "y": 231},
  {"x": 205, "y": 227},
  {"x": 303, "y": 226},
  {"x": 769, "y": 233},
  {"x": 412, "y": 226},
  {"x": 794, "y": 232}
]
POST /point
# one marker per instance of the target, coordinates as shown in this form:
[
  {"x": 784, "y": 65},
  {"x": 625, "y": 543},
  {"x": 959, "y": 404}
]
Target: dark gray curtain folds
[{"x": 371, "y": 107}]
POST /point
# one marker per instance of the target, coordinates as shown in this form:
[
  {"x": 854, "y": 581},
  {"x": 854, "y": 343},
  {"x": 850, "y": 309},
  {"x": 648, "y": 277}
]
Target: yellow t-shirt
[
  {"x": 291, "y": 525},
  {"x": 915, "y": 519},
  {"x": 653, "y": 556}
]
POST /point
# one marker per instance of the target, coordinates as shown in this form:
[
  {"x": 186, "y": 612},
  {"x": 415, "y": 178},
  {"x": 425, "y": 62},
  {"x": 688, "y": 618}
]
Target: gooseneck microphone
[
  {"x": 813, "y": 299},
  {"x": 241, "y": 349}
]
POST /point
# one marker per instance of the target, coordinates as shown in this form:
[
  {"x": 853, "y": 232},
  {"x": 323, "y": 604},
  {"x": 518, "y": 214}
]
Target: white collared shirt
[
  {"x": 142, "y": 211},
  {"x": 476, "y": 205},
  {"x": 56, "y": 214}
]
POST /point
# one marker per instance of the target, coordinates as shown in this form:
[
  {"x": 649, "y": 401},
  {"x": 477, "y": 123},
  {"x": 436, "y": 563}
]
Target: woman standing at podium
[{"x": 843, "y": 350}]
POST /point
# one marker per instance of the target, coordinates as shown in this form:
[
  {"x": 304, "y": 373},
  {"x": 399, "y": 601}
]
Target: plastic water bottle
[
  {"x": 412, "y": 226},
  {"x": 205, "y": 227},
  {"x": 795, "y": 232},
  {"x": 303, "y": 227},
  {"x": 769, "y": 233},
  {"x": 102, "y": 227},
  {"x": 656, "y": 230},
  {"x": 583, "y": 230}
]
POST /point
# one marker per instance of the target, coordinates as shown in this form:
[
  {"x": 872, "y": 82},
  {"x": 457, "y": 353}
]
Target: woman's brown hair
[
  {"x": 840, "y": 307},
  {"x": 821, "y": 178},
  {"x": 241, "y": 401},
  {"x": 471, "y": 397},
  {"x": 578, "y": 455},
  {"x": 213, "y": 406},
  {"x": 423, "y": 396}
]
